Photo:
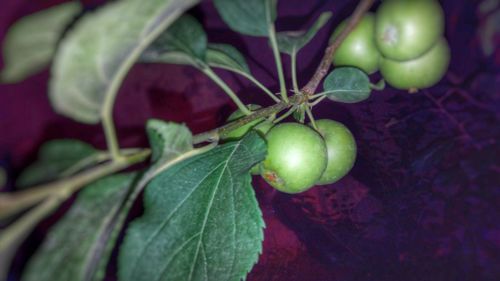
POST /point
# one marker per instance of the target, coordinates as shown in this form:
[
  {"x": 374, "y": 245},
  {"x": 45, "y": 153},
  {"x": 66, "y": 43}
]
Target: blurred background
[{"x": 423, "y": 200}]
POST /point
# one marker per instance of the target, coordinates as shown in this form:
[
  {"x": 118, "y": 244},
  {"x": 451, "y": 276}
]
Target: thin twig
[
  {"x": 11, "y": 203},
  {"x": 324, "y": 66},
  {"x": 288, "y": 113}
]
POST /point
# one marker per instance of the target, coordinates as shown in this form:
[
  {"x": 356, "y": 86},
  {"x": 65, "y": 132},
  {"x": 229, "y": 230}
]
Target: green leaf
[
  {"x": 74, "y": 248},
  {"x": 56, "y": 157},
  {"x": 168, "y": 140},
  {"x": 201, "y": 220},
  {"x": 185, "y": 42},
  {"x": 250, "y": 17},
  {"x": 165, "y": 142},
  {"x": 95, "y": 56},
  {"x": 291, "y": 42},
  {"x": 347, "y": 84},
  {"x": 227, "y": 57},
  {"x": 31, "y": 42},
  {"x": 300, "y": 113}
]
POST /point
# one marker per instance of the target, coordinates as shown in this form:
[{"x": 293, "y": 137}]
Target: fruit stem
[
  {"x": 212, "y": 75},
  {"x": 311, "y": 117},
  {"x": 293, "y": 58},
  {"x": 258, "y": 84},
  {"x": 324, "y": 66},
  {"x": 277, "y": 60},
  {"x": 379, "y": 86}
]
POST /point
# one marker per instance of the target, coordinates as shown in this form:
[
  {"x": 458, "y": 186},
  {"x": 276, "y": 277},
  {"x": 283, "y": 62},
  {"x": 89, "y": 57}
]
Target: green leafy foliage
[
  {"x": 168, "y": 140},
  {"x": 347, "y": 84},
  {"x": 201, "y": 220},
  {"x": 31, "y": 42},
  {"x": 291, "y": 42},
  {"x": 56, "y": 157},
  {"x": 227, "y": 57},
  {"x": 74, "y": 248},
  {"x": 250, "y": 17},
  {"x": 184, "y": 42},
  {"x": 96, "y": 54}
]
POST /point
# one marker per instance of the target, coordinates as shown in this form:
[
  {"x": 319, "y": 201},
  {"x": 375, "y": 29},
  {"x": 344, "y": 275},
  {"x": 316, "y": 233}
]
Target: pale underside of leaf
[
  {"x": 226, "y": 57},
  {"x": 97, "y": 53},
  {"x": 31, "y": 42},
  {"x": 250, "y": 17}
]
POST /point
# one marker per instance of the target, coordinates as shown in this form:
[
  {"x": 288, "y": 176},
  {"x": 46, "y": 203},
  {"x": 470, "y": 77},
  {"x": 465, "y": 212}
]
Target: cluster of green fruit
[
  {"x": 298, "y": 156},
  {"x": 404, "y": 39}
]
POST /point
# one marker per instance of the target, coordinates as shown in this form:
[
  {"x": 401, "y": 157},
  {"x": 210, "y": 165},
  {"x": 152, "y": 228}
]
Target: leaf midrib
[
  {"x": 210, "y": 207},
  {"x": 150, "y": 240}
]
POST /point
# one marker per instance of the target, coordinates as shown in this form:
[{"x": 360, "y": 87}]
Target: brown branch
[
  {"x": 324, "y": 66},
  {"x": 213, "y": 135}
]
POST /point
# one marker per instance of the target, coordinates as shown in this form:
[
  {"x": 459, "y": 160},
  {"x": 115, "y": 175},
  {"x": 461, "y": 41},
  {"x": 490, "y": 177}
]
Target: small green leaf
[
  {"x": 74, "y": 248},
  {"x": 31, "y": 42},
  {"x": 54, "y": 158},
  {"x": 168, "y": 140},
  {"x": 185, "y": 42},
  {"x": 291, "y": 42},
  {"x": 201, "y": 220},
  {"x": 95, "y": 56},
  {"x": 347, "y": 84},
  {"x": 250, "y": 17},
  {"x": 300, "y": 113},
  {"x": 227, "y": 57}
]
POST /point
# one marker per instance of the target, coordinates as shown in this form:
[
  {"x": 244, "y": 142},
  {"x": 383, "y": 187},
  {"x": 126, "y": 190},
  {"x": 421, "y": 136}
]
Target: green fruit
[
  {"x": 422, "y": 72},
  {"x": 296, "y": 157},
  {"x": 341, "y": 150},
  {"x": 406, "y": 29},
  {"x": 358, "y": 49},
  {"x": 241, "y": 131},
  {"x": 264, "y": 127}
]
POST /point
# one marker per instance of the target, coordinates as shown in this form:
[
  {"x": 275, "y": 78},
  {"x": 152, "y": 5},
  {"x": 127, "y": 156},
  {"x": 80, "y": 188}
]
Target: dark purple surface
[{"x": 422, "y": 202}]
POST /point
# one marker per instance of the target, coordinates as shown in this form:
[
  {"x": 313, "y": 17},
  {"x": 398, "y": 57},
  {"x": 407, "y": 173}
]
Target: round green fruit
[
  {"x": 422, "y": 72},
  {"x": 341, "y": 150},
  {"x": 260, "y": 125},
  {"x": 358, "y": 49},
  {"x": 406, "y": 29},
  {"x": 296, "y": 157}
]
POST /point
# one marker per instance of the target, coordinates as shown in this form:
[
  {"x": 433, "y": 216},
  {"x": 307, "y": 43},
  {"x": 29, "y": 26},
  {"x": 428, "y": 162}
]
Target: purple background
[{"x": 422, "y": 202}]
